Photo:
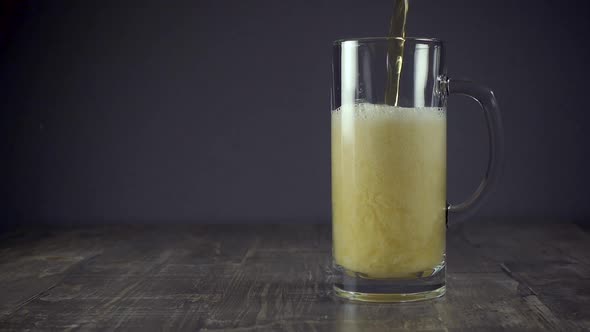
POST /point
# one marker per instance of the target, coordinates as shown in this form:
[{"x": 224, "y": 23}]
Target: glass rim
[{"x": 382, "y": 39}]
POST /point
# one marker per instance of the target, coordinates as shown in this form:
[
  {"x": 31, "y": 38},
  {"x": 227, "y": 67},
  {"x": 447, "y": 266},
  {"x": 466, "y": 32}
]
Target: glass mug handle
[{"x": 489, "y": 105}]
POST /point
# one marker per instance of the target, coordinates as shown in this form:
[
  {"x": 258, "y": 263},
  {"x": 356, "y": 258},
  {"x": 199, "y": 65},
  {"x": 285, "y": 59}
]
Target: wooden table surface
[{"x": 524, "y": 277}]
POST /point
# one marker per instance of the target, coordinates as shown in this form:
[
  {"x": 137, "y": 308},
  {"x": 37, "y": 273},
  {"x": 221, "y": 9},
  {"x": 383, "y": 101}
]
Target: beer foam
[
  {"x": 382, "y": 112},
  {"x": 348, "y": 115}
]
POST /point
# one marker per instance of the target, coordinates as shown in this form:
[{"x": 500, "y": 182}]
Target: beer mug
[{"x": 389, "y": 163}]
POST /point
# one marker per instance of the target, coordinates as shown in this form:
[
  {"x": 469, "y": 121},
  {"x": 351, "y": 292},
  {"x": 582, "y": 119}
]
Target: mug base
[
  {"x": 357, "y": 287},
  {"x": 389, "y": 298}
]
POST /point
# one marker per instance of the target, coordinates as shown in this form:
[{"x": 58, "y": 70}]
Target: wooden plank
[
  {"x": 276, "y": 278},
  {"x": 34, "y": 262},
  {"x": 552, "y": 261},
  {"x": 130, "y": 285}
]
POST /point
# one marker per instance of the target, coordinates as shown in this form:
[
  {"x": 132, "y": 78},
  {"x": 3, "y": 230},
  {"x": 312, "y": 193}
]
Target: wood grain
[{"x": 276, "y": 278}]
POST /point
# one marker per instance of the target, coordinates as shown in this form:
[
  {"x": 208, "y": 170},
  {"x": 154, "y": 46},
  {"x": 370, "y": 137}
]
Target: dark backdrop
[{"x": 218, "y": 111}]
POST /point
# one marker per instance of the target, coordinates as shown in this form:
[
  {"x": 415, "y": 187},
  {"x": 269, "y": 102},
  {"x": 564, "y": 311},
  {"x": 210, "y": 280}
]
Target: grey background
[{"x": 218, "y": 111}]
